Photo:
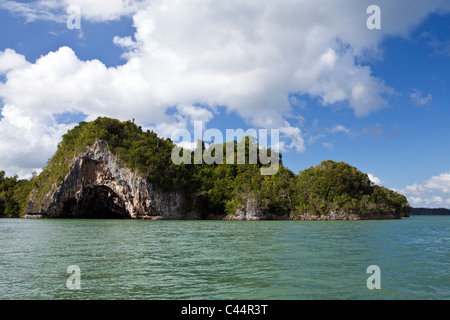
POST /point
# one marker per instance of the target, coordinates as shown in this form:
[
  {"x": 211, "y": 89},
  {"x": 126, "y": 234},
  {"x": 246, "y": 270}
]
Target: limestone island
[{"x": 112, "y": 169}]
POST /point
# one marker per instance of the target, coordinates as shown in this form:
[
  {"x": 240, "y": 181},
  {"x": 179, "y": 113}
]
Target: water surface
[{"x": 127, "y": 259}]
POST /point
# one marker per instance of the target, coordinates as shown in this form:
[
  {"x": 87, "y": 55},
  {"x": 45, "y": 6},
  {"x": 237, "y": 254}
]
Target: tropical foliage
[
  {"x": 13, "y": 195},
  {"x": 337, "y": 186},
  {"x": 210, "y": 188}
]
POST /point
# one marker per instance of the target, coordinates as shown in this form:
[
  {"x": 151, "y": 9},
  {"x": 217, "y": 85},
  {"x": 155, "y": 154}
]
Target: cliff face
[
  {"x": 253, "y": 212},
  {"x": 98, "y": 186}
]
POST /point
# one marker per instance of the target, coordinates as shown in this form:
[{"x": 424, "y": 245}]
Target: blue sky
[{"x": 296, "y": 68}]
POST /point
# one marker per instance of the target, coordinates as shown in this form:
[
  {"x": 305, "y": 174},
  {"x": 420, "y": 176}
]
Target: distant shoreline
[
  {"x": 268, "y": 217},
  {"x": 414, "y": 212},
  {"x": 430, "y": 212}
]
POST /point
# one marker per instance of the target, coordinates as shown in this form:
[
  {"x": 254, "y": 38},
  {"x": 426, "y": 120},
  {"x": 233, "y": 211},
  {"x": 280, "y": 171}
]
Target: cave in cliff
[{"x": 96, "y": 202}]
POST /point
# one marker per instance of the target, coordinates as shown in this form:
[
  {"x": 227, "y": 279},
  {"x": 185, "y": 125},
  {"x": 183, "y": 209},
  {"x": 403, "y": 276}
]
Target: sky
[{"x": 376, "y": 98}]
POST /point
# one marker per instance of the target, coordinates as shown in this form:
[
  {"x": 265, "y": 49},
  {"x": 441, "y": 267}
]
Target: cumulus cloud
[
  {"x": 433, "y": 192},
  {"x": 10, "y": 60},
  {"x": 294, "y": 135},
  {"x": 432, "y": 202},
  {"x": 249, "y": 56},
  {"x": 374, "y": 179},
  {"x": 28, "y": 151},
  {"x": 55, "y": 10},
  {"x": 439, "y": 183},
  {"x": 34, "y": 10}
]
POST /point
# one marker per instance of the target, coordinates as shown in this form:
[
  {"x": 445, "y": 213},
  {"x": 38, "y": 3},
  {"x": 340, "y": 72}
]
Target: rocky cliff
[{"x": 98, "y": 186}]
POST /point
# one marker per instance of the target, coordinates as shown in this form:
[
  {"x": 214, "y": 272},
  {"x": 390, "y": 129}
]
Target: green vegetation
[
  {"x": 226, "y": 188},
  {"x": 337, "y": 186},
  {"x": 210, "y": 189},
  {"x": 13, "y": 195},
  {"x": 138, "y": 150}
]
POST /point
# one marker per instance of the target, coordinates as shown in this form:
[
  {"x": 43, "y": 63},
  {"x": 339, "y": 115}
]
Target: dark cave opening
[{"x": 96, "y": 202}]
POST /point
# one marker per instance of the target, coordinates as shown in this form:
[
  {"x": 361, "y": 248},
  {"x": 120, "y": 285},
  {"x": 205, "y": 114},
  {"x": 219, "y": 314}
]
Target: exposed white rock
[{"x": 98, "y": 185}]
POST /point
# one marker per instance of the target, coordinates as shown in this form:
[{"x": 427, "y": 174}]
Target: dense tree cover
[
  {"x": 337, "y": 186},
  {"x": 13, "y": 195},
  {"x": 225, "y": 188},
  {"x": 139, "y": 150},
  {"x": 212, "y": 188}
]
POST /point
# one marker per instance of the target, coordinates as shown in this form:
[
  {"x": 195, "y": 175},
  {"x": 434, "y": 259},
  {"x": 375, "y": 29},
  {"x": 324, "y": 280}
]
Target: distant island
[
  {"x": 112, "y": 169},
  {"x": 430, "y": 212}
]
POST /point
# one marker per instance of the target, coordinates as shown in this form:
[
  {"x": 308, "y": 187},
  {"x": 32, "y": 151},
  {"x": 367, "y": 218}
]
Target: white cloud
[
  {"x": 321, "y": 133},
  {"x": 246, "y": 55},
  {"x": 313, "y": 138},
  {"x": 126, "y": 43},
  {"x": 35, "y": 10},
  {"x": 433, "y": 192},
  {"x": 375, "y": 180},
  {"x": 418, "y": 99},
  {"x": 184, "y": 118},
  {"x": 105, "y": 10},
  {"x": 294, "y": 135},
  {"x": 439, "y": 183},
  {"x": 431, "y": 202},
  {"x": 55, "y": 10},
  {"x": 10, "y": 60},
  {"x": 340, "y": 128},
  {"x": 26, "y": 144},
  {"x": 415, "y": 189},
  {"x": 328, "y": 145},
  {"x": 193, "y": 114}
]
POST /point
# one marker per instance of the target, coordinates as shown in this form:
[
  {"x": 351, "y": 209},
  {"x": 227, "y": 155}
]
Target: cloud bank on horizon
[{"x": 195, "y": 56}]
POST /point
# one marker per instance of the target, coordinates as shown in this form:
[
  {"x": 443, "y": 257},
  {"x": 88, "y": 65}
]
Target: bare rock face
[
  {"x": 98, "y": 186},
  {"x": 254, "y": 212}
]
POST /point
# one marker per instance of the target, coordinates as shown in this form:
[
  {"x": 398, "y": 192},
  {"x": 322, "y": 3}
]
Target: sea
[{"x": 51, "y": 259}]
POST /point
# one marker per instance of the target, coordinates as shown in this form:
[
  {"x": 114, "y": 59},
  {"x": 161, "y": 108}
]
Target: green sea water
[{"x": 126, "y": 259}]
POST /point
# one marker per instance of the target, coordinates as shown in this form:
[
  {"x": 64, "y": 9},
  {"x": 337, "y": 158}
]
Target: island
[{"x": 111, "y": 169}]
